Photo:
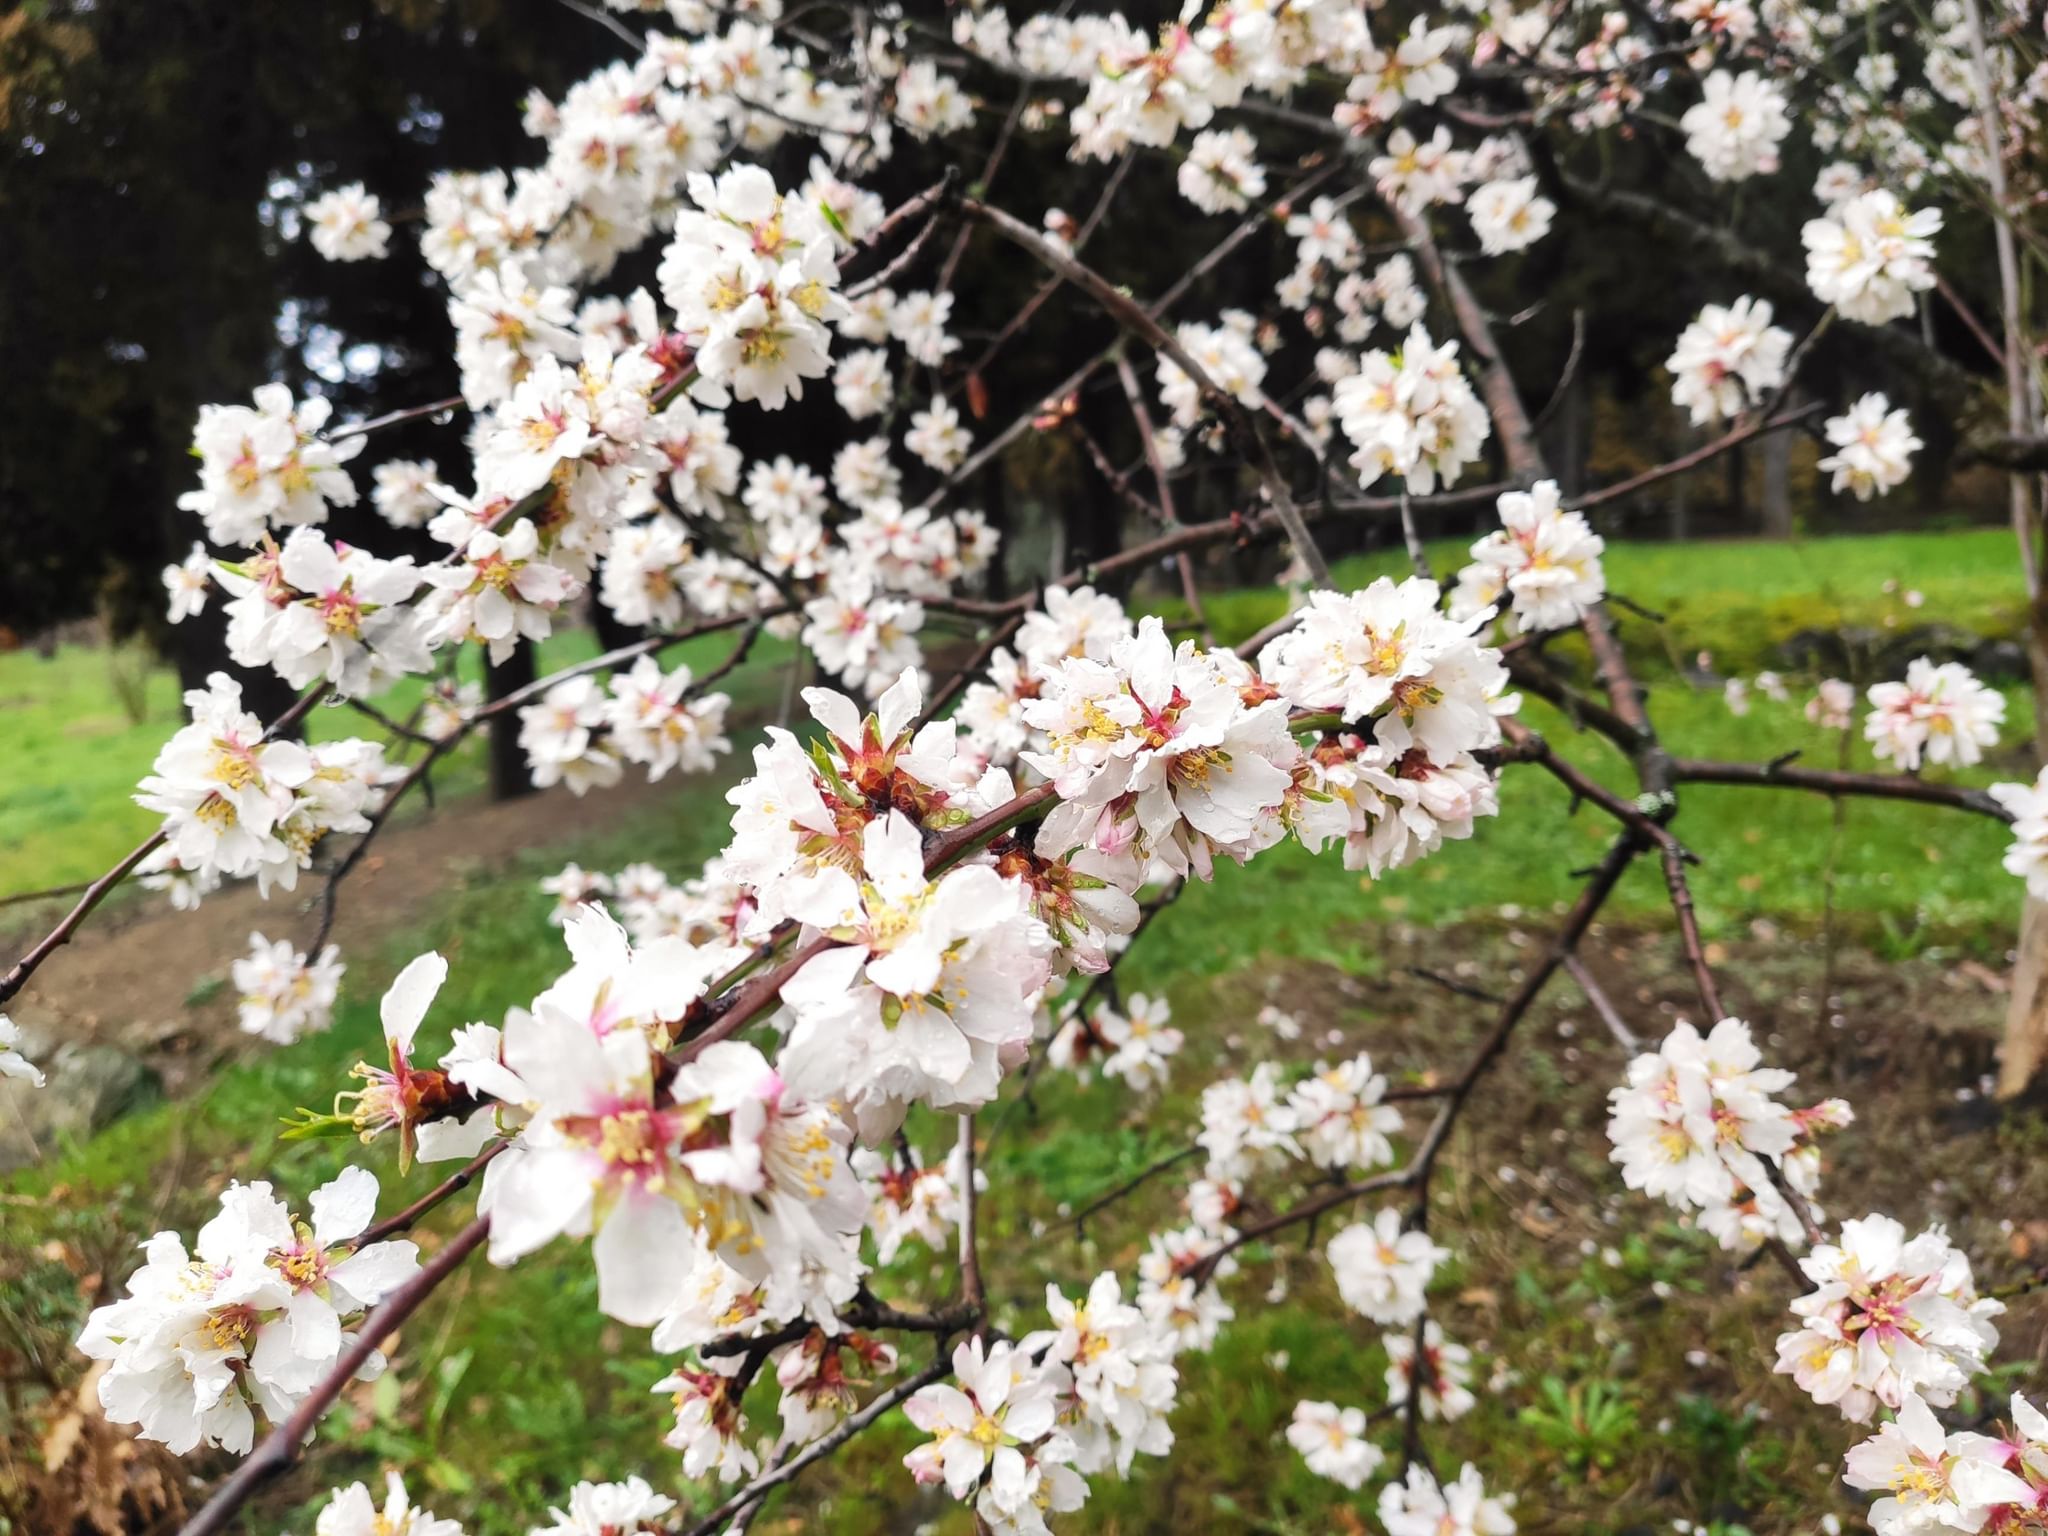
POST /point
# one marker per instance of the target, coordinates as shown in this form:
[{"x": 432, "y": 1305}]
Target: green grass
[
  {"x": 514, "y": 1387},
  {"x": 83, "y": 726},
  {"x": 1742, "y": 598}
]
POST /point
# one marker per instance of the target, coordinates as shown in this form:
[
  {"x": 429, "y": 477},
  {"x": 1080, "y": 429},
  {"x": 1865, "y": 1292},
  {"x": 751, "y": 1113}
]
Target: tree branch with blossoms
[{"x": 930, "y": 885}]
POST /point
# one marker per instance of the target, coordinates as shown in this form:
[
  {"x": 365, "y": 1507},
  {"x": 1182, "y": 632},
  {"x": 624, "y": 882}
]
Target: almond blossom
[
  {"x": 1446, "y": 1373},
  {"x": 2028, "y": 855},
  {"x": 1698, "y": 1125},
  {"x": 12, "y": 1062},
  {"x": 1509, "y": 215},
  {"x": 189, "y": 583},
  {"x": 1142, "y": 1046},
  {"x": 1332, "y": 1441},
  {"x": 1339, "y": 1119},
  {"x": 1874, "y": 448},
  {"x": 283, "y": 995},
  {"x": 1545, "y": 561},
  {"x": 1735, "y": 131},
  {"x": 1383, "y": 1271},
  {"x": 1411, "y": 413},
  {"x": 347, "y": 224},
  {"x": 608, "y": 1509},
  {"x": 1890, "y": 1318},
  {"x": 1869, "y": 257},
  {"x": 352, "y": 1511},
  {"x": 1931, "y": 1479},
  {"x": 1124, "y": 1380},
  {"x": 266, "y": 467},
  {"x": 1419, "y": 1505},
  {"x": 984, "y": 1429},
  {"x": 1728, "y": 360},
  {"x": 1940, "y": 714}
]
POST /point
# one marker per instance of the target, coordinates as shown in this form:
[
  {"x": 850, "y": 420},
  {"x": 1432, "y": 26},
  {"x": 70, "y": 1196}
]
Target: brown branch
[
  {"x": 1244, "y": 230},
  {"x": 1052, "y": 285},
  {"x": 1530, "y": 747},
  {"x": 1190, "y": 593},
  {"x": 1140, "y": 322},
  {"x": 393, "y": 418},
  {"x": 1130, "y": 1185},
  {"x": 965, "y": 674},
  {"x": 1602, "y": 1004},
  {"x": 1821, "y": 781},
  {"x": 440, "y": 1194}
]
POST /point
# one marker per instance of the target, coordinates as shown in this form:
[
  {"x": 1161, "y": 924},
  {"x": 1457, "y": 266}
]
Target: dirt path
[{"x": 154, "y": 982}]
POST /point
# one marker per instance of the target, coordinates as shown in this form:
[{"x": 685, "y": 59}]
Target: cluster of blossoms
[
  {"x": 1383, "y": 1270},
  {"x": 581, "y": 732},
  {"x": 1869, "y": 257},
  {"x": 315, "y": 611},
  {"x": 1874, "y": 447},
  {"x": 281, "y": 994},
  {"x": 347, "y": 224},
  {"x": 1418, "y": 695},
  {"x": 2027, "y": 857},
  {"x": 996, "y": 1440},
  {"x": 1509, "y": 214},
  {"x": 1941, "y": 714},
  {"x": 1421, "y": 1505},
  {"x": 1138, "y": 1042},
  {"x": 1544, "y": 562},
  {"x": 1335, "y": 1119},
  {"x": 1698, "y": 1125},
  {"x": 1028, "y": 1422},
  {"x": 249, "y": 1321},
  {"x": 1728, "y": 360},
  {"x": 353, "y": 1511},
  {"x": 1735, "y": 130},
  {"x": 1890, "y": 1317},
  {"x": 237, "y": 804},
  {"x": 1446, "y": 1373},
  {"x": 1227, "y": 353},
  {"x": 710, "y": 912},
  {"x": 910, "y": 1200},
  {"x": 1411, "y": 413},
  {"x": 1333, "y": 1444},
  {"x": 631, "y": 1508},
  {"x": 265, "y": 466}
]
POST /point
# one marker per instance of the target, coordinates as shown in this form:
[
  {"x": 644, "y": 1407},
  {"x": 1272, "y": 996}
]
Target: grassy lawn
[
  {"x": 512, "y": 1386},
  {"x": 83, "y": 726}
]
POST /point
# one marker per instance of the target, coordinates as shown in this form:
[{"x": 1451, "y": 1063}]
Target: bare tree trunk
[
  {"x": 2026, "y": 1018},
  {"x": 509, "y": 778},
  {"x": 1777, "y": 493},
  {"x": 2021, "y": 1054}
]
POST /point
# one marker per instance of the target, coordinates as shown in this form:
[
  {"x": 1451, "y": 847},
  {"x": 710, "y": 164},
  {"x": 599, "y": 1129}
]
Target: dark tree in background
[{"x": 156, "y": 156}]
